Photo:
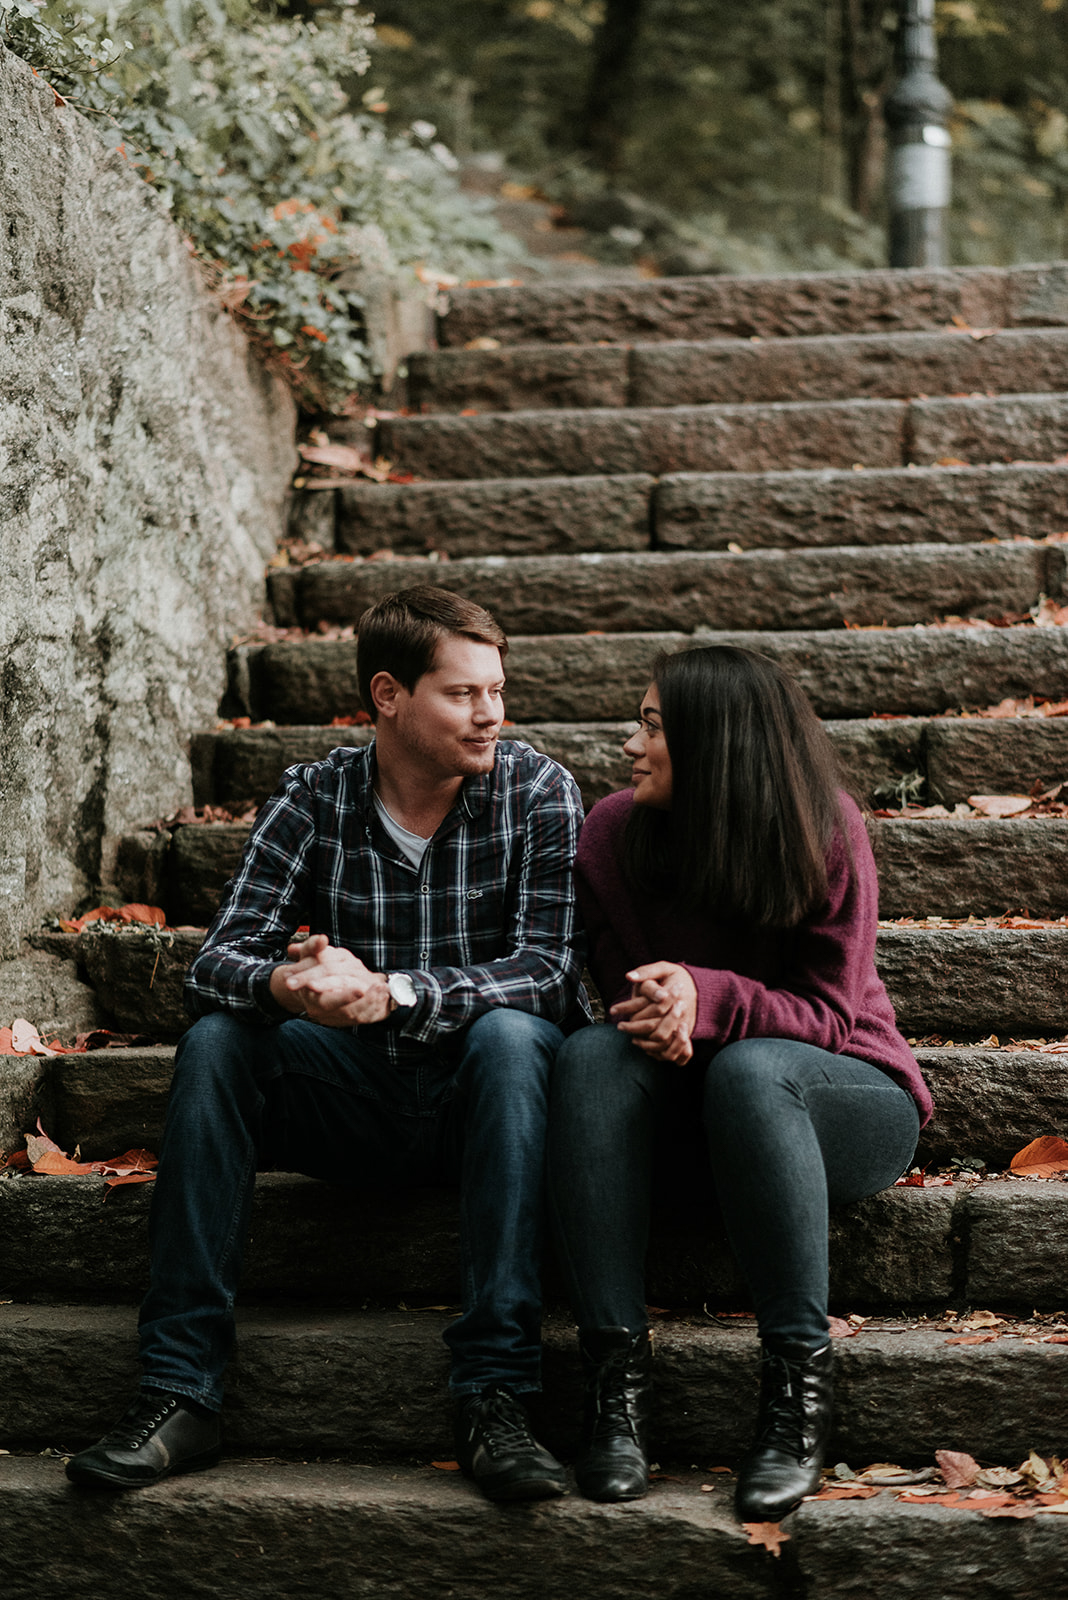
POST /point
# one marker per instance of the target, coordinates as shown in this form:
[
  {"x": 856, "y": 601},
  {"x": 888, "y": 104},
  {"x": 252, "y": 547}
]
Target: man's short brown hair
[{"x": 399, "y": 634}]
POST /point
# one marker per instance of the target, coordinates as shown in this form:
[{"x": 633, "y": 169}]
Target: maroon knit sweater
[{"x": 816, "y": 982}]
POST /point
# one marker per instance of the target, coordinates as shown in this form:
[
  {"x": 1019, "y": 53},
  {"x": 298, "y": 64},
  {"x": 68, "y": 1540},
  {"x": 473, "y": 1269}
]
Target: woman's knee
[{"x": 750, "y": 1073}]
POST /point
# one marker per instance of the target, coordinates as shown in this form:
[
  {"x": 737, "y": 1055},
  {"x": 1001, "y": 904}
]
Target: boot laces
[
  {"x": 140, "y": 1421},
  {"x": 502, "y": 1423},
  {"x": 782, "y": 1410},
  {"x": 613, "y": 1405}
]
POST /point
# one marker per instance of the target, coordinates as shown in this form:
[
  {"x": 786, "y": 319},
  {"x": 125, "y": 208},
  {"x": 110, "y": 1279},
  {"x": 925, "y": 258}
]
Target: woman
[{"x": 730, "y": 901}]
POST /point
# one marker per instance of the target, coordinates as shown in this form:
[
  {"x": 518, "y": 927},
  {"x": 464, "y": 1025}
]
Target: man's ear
[{"x": 385, "y": 691}]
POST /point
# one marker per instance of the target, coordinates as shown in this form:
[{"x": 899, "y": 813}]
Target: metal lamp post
[{"x": 917, "y": 115}]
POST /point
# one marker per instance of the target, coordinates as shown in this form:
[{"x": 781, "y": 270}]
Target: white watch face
[{"x": 401, "y": 988}]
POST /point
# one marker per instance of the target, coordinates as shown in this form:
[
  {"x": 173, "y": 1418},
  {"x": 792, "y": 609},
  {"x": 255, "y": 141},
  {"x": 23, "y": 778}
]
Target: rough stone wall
[{"x": 144, "y": 459}]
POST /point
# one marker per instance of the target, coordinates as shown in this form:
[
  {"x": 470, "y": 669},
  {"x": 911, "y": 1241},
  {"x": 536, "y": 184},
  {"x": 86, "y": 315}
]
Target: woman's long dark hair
[{"x": 754, "y": 795}]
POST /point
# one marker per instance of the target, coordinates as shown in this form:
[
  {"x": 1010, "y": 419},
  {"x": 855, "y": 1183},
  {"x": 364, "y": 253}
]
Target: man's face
[{"x": 450, "y": 721}]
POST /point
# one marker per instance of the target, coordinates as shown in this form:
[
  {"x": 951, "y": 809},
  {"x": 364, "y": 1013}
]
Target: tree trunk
[
  {"x": 866, "y": 74},
  {"x": 609, "y": 95}
]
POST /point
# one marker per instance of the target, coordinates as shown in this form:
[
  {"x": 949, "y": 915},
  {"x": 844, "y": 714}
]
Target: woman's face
[{"x": 647, "y": 748}]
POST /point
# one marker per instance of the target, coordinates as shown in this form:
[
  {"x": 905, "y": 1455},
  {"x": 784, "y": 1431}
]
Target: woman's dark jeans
[{"x": 789, "y": 1129}]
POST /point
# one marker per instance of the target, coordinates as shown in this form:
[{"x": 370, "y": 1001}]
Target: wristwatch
[{"x": 401, "y": 990}]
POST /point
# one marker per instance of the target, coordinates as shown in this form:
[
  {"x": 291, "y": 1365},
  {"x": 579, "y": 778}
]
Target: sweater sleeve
[{"x": 828, "y": 969}]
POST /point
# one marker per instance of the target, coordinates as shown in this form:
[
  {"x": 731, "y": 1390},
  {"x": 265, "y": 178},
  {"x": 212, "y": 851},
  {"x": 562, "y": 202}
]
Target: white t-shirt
[{"x": 412, "y": 845}]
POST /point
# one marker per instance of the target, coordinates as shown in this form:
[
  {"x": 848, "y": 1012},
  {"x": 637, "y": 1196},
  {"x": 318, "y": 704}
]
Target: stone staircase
[{"x": 825, "y": 468}]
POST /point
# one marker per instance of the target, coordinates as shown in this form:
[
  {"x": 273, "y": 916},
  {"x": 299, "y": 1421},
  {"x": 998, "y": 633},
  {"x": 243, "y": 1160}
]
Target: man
[{"x": 408, "y": 1039}]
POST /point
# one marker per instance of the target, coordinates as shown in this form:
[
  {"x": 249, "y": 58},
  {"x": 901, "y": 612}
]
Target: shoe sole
[{"x": 106, "y": 1480}]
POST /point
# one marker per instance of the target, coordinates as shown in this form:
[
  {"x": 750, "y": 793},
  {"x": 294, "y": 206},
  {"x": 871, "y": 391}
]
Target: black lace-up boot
[
  {"x": 618, "y": 1365},
  {"x": 494, "y": 1445},
  {"x": 159, "y": 1435},
  {"x": 796, "y": 1405}
]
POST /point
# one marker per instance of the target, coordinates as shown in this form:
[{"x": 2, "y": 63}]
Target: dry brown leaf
[
  {"x": 1000, "y": 805},
  {"x": 958, "y": 1469},
  {"x": 1044, "y": 1157},
  {"x": 840, "y": 1329}
]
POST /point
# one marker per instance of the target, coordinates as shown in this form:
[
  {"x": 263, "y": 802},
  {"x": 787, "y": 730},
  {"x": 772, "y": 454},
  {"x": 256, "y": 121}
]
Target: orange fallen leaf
[
  {"x": 840, "y": 1329},
  {"x": 54, "y": 1164},
  {"x": 130, "y": 1177},
  {"x": 1044, "y": 1157},
  {"x": 446, "y": 1466},
  {"x": 976, "y": 1338},
  {"x": 768, "y": 1534}
]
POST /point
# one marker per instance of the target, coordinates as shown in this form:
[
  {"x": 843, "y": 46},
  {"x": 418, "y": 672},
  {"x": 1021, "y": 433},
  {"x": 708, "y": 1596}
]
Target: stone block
[
  {"x": 989, "y": 1104},
  {"x": 503, "y": 517},
  {"x": 371, "y": 1535},
  {"x": 746, "y": 307},
  {"x": 680, "y": 439},
  {"x": 203, "y": 858},
  {"x": 869, "y": 366},
  {"x": 965, "y": 983},
  {"x": 959, "y": 867},
  {"x": 893, "y": 505},
  {"x": 846, "y": 673},
  {"x": 854, "y": 1550},
  {"x": 1024, "y": 427},
  {"x": 765, "y": 589},
  {"x": 109, "y": 1101},
  {"x": 138, "y": 976},
  {"x": 1004, "y": 755},
  {"x": 511, "y": 379},
  {"x": 310, "y": 681},
  {"x": 1016, "y": 1235}
]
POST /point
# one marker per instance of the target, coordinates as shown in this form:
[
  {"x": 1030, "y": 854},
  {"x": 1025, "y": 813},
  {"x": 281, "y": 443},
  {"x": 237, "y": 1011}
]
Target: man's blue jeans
[
  {"x": 325, "y": 1102},
  {"x": 786, "y": 1128}
]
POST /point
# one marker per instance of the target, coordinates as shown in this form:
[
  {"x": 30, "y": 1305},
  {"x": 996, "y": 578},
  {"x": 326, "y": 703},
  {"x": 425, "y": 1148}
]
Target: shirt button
[
  {"x": 424, "y": 955},
  {"x": 425, "y": 888}
]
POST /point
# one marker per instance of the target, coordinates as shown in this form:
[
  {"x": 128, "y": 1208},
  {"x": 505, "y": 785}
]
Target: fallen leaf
[
  {"x": 958, "y": 1469},
  {"x": 446, "y": 1466},
  {"x": 54, "y": 1164},
  {"x": 999, "y": 805},
  {"x": 844, "y": 1491},
  {"x": 976, "y": 1338},
  {"x": 768, "y": 1534},
  {"x": 1044, "y": 1157},
  {"x": 840, "y": 1329}
]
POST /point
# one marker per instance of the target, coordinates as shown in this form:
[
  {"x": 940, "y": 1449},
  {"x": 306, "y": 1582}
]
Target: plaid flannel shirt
[{"x": 488, "y": 919}]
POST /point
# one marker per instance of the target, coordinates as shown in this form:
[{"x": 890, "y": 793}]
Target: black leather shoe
[
  {"x": 796, "y": 1405},
  {"x": 494, "y": 1445},
  {"x": 160, "y": 1434},
  {"x": 614, "y": 1464}
]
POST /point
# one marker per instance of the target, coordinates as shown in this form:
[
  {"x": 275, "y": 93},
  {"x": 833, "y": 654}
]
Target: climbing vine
[{"x": 273, "y": 160}]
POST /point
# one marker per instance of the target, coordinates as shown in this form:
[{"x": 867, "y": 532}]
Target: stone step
[
  {"x": 767, "y": 589},
  {"x": 740, "y": 371},
  {"x": 509, "y": 517},
  {"x": 895, "y": 505},
  {"x": 1001, "y": 1242},
  {"x": 694, "y": 511},
  {"x": 962, "y": 982},
  {"x": 410, "y": 1532},
  {"x": 759, "y": 306},
  {"x": 333, "y": 1381},
  {"x": 989, "y": 1103},
  {"x": 730, "y": 438},
  {"x": 571, "y": 678},
  {"x": 955, "y": 757},
  {"x": 845, "y": 672},
  {"x": 954, "y": 867}
]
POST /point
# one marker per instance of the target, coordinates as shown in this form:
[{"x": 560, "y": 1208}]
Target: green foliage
[
  {"x": 249, "y": 129},
  {"x": 759, "y": 126}
]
